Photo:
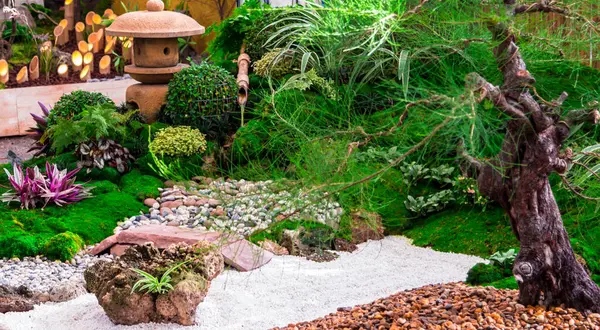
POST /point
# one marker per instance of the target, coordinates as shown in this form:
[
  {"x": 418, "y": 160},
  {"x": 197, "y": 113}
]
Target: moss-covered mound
[{"x": 59, "y": 232}]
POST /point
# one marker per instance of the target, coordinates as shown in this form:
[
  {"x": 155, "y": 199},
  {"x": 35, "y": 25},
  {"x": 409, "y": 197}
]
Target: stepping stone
[
  {"x": 245, "y": 256},
  {"x": 104, "y": 245},
  {"x": 238, "y": 253},
  {"x": 164, "y": 236}
]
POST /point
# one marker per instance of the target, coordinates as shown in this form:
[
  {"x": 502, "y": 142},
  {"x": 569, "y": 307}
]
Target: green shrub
[
  {"x": 63, "y": 246},
  {"x": 484, "y": 274},
  {"x": 199, "y": 95},
  {"x": 141, "y": 186},
  {"x": 70, "y": 106},
  {"x": 181, "y": 141}
]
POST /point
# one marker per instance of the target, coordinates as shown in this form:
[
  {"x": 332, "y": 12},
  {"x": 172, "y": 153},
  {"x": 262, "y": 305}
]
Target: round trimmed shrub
[
  {"x": 181, "y": 141},
  {"x": 484, "y": 274},
  {"x": 200, "y": 94},
  {"x": 63, "y": 246},
  {"x": 70, "y": 106}
]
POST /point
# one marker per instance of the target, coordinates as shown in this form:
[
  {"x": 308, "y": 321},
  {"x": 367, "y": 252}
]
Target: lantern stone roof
[{"x": 154, "y": 23}]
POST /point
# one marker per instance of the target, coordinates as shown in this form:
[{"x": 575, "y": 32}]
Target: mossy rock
[
  {"x": 63, "y": 246},
  {"x": 141, "y": 186}
]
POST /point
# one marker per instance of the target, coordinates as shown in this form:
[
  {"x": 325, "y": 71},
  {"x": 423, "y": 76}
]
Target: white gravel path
[{"x": 287, "y": 290}]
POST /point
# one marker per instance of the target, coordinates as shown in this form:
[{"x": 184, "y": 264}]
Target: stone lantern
[{"x": 155, "y": 52}]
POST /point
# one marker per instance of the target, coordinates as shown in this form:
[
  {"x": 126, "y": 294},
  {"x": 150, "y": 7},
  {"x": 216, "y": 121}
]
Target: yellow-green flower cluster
[
  {"x": 178, "y": 141},
  {"x": 275, "y": 64}
]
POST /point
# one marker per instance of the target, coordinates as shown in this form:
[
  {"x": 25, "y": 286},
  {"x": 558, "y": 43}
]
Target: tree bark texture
[{"x": 545, "y": 268}]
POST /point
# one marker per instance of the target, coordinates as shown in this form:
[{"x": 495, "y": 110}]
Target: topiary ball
[
  {"x": 200, "y": 94},
  {"x": 63, "y": 246},
  {"x": 181, "y": 141},
  {"x": 70, "y": 106}
]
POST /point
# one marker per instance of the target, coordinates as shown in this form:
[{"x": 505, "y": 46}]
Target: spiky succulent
[
  {"x": 33, "y": 188},
  {"x": 102, "y": 153},
  {"x": 39, "y": 132}
]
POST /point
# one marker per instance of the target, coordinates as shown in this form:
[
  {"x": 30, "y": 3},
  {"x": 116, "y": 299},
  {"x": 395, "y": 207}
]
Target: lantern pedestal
[{"x": 148, "y": 98}]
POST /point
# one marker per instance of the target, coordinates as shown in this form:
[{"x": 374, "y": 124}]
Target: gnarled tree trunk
[{"x": 545, "y": 268}]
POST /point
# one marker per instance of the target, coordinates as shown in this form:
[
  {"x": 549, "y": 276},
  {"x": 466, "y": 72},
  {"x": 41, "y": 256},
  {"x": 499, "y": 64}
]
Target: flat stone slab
[
  {"x": 245, "y": 256},
  {"x": 238, "y": 253},
  {"x": 164, "y": 236}
]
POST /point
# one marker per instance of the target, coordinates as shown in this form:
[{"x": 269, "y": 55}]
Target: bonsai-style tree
[{"x": 545, "y": 268}]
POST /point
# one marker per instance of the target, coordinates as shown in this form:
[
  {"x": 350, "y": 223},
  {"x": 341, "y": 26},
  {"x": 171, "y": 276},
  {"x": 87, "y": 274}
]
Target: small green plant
[
  {"x": 152, "y": 284},
  {"x": 118, "y": 62},
  {"x": 423, "y": 205},
  {"x": 184, "y": 43},
  {"x": 70, "y": 106},
  {"x": 504, "y": 259},
  {"x": 275, "y": 64},
  {"x": 311, "y": 79},
  {"x": 46, "y": 60},
  {"x": 178, "y": 141},
  {"x": 93, "y": 123},
  {"x": 413, "y": 172}
]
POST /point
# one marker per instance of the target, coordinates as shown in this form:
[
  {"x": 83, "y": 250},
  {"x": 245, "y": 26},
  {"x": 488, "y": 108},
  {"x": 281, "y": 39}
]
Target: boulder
[
  {"x": 366, "y": 226},
  {"x": 112, "y": 283},
  {"x": 66, "y": 291},
  {"x": 15, "y": 299},
  {"x": 273, "y": 247}
]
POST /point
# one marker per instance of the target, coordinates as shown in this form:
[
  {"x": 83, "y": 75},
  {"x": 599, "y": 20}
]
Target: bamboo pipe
[
  {"x": 3, "y": 71},
  {"x": 83, "y": 47},
  {"x": 94, "y": 40},
  {"x": 127, "y": 48},
  {"x": 70, "y": 14},
  {"x": 34, "y": 68},
  {"x": 88, "y": 60},
  {"x": 243, "y": 81},
  {"x": 104, "y": 65},
  {"x": 97, "y": 22},
  {"x": 77, "y": 60},
  {"x": 110, "y": 45},
  {"x": 89, "y": 23},
  {"x": 63, "y": 71},
  {"x": 22, "y": 76},
  {"x": 65, "y": 24},
  {"x": 58, "y": 35},
  {"x": 80, "y": 31},
  {"x": 85, "y": 73}
]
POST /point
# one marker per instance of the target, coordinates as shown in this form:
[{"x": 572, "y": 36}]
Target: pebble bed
[
  {"x": 40, "y": 274},
  {"x": 451, "y": 306},
  {"x": 240, "y": 207}
]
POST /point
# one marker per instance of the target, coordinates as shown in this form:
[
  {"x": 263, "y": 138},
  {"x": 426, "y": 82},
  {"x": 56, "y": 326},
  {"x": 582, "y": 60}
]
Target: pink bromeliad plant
[{"x": 32, "y": 188}]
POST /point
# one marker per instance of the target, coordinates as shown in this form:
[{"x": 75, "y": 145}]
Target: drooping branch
[{"x": 545, "y": 6}]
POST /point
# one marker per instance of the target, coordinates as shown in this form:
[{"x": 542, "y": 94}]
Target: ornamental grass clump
[
  {"x": 33, "y": 188},
  {"x": 181, "y": 141}
]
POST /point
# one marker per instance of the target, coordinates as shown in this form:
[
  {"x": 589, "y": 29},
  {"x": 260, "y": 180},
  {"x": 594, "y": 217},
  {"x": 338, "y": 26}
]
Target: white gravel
[{"x": 287, "y": 290}]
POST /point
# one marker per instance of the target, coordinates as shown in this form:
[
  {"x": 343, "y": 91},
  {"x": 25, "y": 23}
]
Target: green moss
[
  {"x": 63, "y": 246},
  {"x": 275, "y": 231},
  {"x": 24, "y": 232},
  {"x": 467, "y": 231},
  {"x": 103, "y": 187},
  {"x": 106, "y": 174},
  {"x": 139, "y": 185}
]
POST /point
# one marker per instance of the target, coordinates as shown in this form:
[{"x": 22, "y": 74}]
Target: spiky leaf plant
[
  {"x": 33, "y": 188},
  {"x": 39, "y": 132}
]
